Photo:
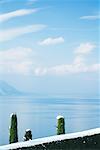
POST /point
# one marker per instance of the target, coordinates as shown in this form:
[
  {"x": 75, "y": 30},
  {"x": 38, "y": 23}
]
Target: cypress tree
[
  {"x": 13, "y": 137},
  {"x": 60, "y": 125}
]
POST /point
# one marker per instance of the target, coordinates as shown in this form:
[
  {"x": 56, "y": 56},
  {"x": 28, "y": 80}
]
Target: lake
[{"x": 39, "y": 115}]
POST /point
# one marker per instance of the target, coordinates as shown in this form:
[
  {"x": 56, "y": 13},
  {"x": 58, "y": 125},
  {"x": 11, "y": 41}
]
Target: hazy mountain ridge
[{"x": 7, "y": 89}]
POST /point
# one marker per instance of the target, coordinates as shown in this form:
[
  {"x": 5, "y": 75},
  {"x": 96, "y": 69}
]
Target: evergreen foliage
[
  {"x": 28, "y": 135},
  {"x": 13, "y": 137},
  {"x": 60, "y": 125}
]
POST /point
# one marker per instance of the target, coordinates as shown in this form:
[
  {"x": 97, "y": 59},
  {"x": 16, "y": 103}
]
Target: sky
[{"x": 51, "y": 46}]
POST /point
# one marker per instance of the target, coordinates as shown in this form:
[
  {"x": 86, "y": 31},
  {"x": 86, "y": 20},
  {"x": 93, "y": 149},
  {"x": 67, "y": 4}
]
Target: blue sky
[{"x": 51, "y": 46}]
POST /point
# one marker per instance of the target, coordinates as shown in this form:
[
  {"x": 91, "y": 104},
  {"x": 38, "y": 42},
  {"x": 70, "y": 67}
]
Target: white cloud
[
  {"x": 17, "y": 13},
  {"x": 68, "y": 69},
  {"x": 78, "y": 65},
  {"x": 79, "y": 59},
  {"x": 9, "y": 34},
  {"x": 65, "y": 69},
  {"x": 85, "y": 48},
  {"x": 40, "y": 71},
  {"x": 94, "y": 67},
  {"x": 21, "y": 60},
  {"x": 92, "y": 17},
  {"x": 16, "y": 60},
  {"x": 15, "y": 54},
  {"x": 52, "y": 41}
]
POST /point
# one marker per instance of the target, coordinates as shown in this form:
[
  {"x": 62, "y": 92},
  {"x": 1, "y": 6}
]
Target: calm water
[{"x": 40, "y": 115}]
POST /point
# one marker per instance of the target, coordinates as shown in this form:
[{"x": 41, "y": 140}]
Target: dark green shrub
[
  {"x": 60, "y": 125},
  {"x": 28, "y": 135},
  {"x": 13, "y": 135}
]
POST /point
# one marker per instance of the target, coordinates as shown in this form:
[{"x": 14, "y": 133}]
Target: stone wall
[{"x": 85, "y": 143}]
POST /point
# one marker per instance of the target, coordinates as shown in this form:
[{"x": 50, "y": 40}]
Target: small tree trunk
[
  {"x": 13, "y": 137},
  {"x": 28, "y": 135},
  {"x": 60, "y": 125}
]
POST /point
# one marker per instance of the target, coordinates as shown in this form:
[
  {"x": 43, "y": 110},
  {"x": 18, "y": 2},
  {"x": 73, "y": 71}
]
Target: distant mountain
[{"x": 6, "y": 89}]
